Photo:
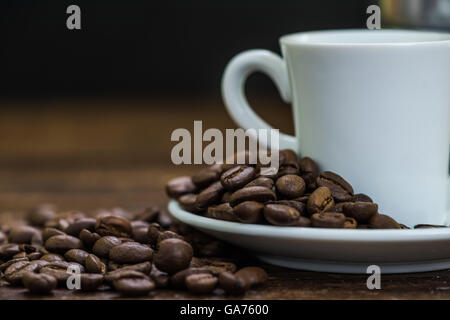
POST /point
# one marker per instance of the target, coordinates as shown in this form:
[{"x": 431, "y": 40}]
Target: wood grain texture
[{"x": 117, "y": 153}]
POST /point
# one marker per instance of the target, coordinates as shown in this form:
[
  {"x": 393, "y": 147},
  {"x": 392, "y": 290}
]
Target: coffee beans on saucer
[{"x": 297, "y": 195}]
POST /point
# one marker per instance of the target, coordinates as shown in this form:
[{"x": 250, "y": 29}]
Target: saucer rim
[{"x": 341, "y": 235}]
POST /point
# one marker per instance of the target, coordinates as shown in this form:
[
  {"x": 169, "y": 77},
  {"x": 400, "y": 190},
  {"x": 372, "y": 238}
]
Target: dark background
[{"x": 148, "y": 47}]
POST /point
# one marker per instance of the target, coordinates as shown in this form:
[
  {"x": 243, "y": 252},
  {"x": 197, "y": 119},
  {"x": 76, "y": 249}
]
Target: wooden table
[{"x": 89, "y": 154}]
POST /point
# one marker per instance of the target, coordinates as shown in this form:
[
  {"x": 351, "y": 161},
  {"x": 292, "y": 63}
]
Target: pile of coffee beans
[
  {"x": 297, "y": 195},
  {"x": 115, "y": 250}
]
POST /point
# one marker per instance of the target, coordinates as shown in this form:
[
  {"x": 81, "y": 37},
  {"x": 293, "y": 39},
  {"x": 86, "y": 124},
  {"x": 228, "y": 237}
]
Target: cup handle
[{"x": 233, "y": 85}]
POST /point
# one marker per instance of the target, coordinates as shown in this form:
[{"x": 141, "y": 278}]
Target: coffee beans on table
[
  {"x": 173, "y": 255},
  {"x": 298, "y": 195},
  {"x": 39, "y": 283},
  {"x": 242, "y": 280},
  {"x": 201, "y": 283},
  {"x": 133, "y": 255},
  {"x": 130, "y": 253}
]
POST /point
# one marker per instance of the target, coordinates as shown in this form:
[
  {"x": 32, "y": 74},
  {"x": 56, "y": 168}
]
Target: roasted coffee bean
[
  {"x": 281, "y": 215},
  {"x": 303, "y": 222},
  {"x": 261, "y": 182},
  {"x": 8, "y": 250},
  {"x": 15, "y": 272},
  {"x": 6, "y": 264},
  {"x": 258, "y": 194},
  {"x": 168, "y": 235},
  {"x": 134, "y": 269},
  {"x": 90, "y": 281},
  {"x": 50, "y": 232},
  {"x": 328, "y": 220},
  {"x": 361, "y": 197},
  {"x": 173, "y": 255},
  {"x": 39, "y": 215},
  {"x": 320, "y": 200},
  {"x": 39, "y": 283},
  {"x": 62, "y": 243},
  {"x": 309, "y": 171},
  {"x": 154, "y": 230},
  {"x": 382, "y": 221},
  {"x": 134, "y": 286},
  {"x": 231, "y": 284},
  {"x": 161, "y": 279},
  {"x": 251, "y": 276},
  {"x": 51, "y": 257},
  {"x": 201, "y": 283},
  {"x": 130, "y": 253},
  {"x": 179, "y": 186},
  {"x": 104, "y": 245},
  {"x": 350, "y": 223},
  {"x": 210, "y": 195},
  {"x": 164, "y": 220},
  {"x": 75, "y": 227},
  {"x": 249, "y": 212},
  {"x": 59, "y": 274},
  {"x": 22, "y": 234},
  {"x": 178, "y": 280},
  {"x": 94, "y": 264},
  {"x": 361, "y": 211},
  {"x": 149, "y": 215},
  {"x": 287, "y": 156},
  {"x": 88, "y": 238},
  {"x": 15, "y": 268},
  {"x": 288, "y": 163},
  {"x": 404, "y": 226},
  {"x": 221, "y": 211},
  {"x": 237, "y": 177},
  {"x": 363, "y": 226},
  {"x": 58, "y": 270},
  {"x": 136, "y": 224},
  {"x": 339, "y": 207},
  {"x": 140, "y": 234},
  {"x": 340, "y": 189},
  {"x": 188, "y": 202},
  {"x": 428, "y": 226},
  {"x": 76, "y": 255},
  {"x": 298, "y": 205},
  {"x": 290, "y": 186},
  {"x": 113, "y": 226},
  {"x": 207, "y": 176},
  {"x": 65, "y": 265},
  {"x": 34, "y": 256},
  {"x": 122, "y": 273},
  {"x": 213, "y": 265}
]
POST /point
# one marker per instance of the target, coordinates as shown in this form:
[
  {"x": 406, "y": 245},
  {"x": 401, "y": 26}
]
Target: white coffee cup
[{"x": 371, "y": 105}]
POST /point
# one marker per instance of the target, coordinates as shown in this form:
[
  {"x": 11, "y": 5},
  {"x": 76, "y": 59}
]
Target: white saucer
[{"x": 332, "y": 250}]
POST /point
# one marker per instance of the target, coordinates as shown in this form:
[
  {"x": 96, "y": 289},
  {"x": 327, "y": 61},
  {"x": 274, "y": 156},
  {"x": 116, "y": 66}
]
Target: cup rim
[{"x": 316, "y": 38}]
